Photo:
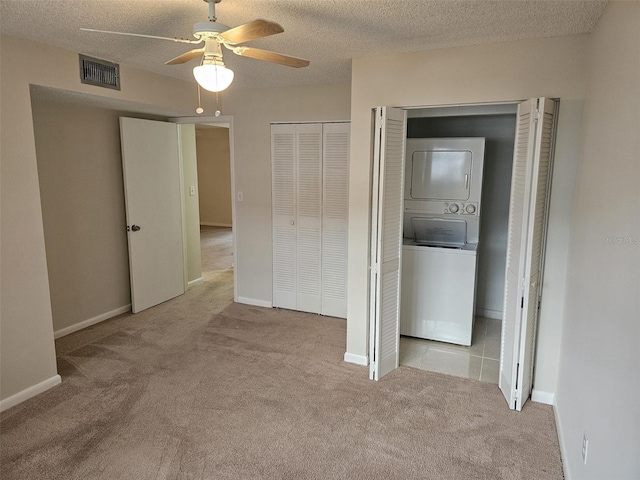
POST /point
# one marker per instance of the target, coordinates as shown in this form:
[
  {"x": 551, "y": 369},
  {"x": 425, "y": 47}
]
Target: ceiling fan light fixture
[{"x": 213, "y": 75}]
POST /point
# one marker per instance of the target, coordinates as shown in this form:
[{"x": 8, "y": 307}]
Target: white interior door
[
  {"x": 335, "y": 215},
  {"x": 153, "y": 196},
  {"x": 386, "y": 239},
  {"x": 526, "y": 233}
]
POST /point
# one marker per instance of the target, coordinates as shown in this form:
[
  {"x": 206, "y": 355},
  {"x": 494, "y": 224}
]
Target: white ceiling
[{"x": 327, "y": 32}]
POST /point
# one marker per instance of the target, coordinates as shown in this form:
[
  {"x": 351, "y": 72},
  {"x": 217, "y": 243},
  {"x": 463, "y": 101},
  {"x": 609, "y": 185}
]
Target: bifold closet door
[
  {"x": 386, "y": 240},
  {"x": 283, "y": 177},
  {"x": 335, "y": 215},
  {"x": 525, "y": 246},
  {"x": 309, "y": 217},
  {"x": 296, "y": 152}
]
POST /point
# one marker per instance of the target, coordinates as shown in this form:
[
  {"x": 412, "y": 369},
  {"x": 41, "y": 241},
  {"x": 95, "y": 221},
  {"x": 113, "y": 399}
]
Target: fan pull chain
[{"x": 199, "y": 110}]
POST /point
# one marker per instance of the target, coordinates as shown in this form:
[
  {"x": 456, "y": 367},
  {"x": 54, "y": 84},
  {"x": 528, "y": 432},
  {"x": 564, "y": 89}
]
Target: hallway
[{"x": 216, "y": 245}]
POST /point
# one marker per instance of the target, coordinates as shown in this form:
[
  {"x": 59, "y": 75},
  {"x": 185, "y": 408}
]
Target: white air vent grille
[{"x": 99, "y": 72}]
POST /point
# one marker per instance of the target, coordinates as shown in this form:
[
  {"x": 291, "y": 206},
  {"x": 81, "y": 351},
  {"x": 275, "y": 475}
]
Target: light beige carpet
[
  {"x": 186, "y": 391},
  {"x": 217, "y": 250}
]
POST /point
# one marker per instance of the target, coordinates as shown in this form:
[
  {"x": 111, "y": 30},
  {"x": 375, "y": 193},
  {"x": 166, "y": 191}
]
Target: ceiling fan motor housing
[{"x": 204, "y": 29}]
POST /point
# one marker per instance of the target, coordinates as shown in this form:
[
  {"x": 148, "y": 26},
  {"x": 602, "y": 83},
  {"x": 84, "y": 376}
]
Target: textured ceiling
[{"x": 328, "y": 32}]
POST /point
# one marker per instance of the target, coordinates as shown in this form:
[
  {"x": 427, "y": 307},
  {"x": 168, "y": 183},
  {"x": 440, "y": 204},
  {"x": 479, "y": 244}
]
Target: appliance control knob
[
  {"x": 471, "y": 209},
  {"x": 453, "y": 208}
]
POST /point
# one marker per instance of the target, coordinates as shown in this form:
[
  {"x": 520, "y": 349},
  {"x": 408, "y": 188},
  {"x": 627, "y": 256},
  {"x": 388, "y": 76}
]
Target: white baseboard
[
  {"x": 209, "y": 224},
  {"x": 195, "y": 282},
  {"x": 27, "y": 393},
  {"x": 255, "y": 302},
  {"x": 563, "y": 448},
  {"x": 92, "y": 321},
  {"x": 357, "y": 359},
  {"x": 492, "y": 314},
  {"x": 547, "y": 398}
]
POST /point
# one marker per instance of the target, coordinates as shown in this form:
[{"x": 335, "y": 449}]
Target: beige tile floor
[{"x": 480, "y": 361}]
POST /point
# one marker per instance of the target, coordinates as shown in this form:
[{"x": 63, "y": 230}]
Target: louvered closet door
[
  {"x": 283, "y": 176},
  {"x": 535, "y": 244},
  {"x": 386, "y": 240},
  {"x": 520, "y": 179},
  {"x": 527, "y": 219},
  {"x": 309, "y": 217},
  {"x": 335, "y": 211}
]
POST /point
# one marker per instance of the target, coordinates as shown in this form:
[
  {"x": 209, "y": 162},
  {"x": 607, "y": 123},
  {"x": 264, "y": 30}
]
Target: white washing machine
[
  {"x": 443, "y": 186},
  {"x": 438, "y": 292}
]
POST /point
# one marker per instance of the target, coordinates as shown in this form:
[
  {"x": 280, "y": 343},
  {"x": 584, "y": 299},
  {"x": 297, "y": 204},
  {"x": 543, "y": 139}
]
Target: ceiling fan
[{"x": 212, "y": 74}]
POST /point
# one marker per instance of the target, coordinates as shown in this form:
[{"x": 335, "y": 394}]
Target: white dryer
[{"x": 443, "y": 179}]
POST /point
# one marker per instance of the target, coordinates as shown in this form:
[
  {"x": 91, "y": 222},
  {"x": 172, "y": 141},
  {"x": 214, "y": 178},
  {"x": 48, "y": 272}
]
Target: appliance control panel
[{"x": 460, "y": 208}]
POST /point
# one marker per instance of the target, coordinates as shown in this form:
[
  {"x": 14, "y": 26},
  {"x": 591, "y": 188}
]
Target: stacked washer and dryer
[{"x": 443, "y": 187}]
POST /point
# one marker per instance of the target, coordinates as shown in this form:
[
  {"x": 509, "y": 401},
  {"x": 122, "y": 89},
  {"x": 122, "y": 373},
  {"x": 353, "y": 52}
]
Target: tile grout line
[
  {"x": 483, "y": 355},
  {"x": 484, "y": 346}
]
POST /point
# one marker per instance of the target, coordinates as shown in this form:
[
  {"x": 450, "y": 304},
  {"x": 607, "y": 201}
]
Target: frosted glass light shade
[{"x": 214, "y": 78}]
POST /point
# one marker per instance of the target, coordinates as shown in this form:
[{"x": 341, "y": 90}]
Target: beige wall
[
  {"x": 252, "y": 111},
  {"x": 491, "y": 73},
  {"x": 191, "y": 210},
  {"x": 599, "y": 383},
  {"x": 83, "y": 210},
  {"x": 27, "y": 354},
  {"x": 214, "y": 175},
  {"x": 80, "y": 178}
]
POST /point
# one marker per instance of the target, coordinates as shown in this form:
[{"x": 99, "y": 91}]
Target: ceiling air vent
[{"x": 99, "y": 72}]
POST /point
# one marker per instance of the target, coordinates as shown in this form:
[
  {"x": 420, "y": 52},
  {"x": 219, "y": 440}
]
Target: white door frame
[{"x": 216, "y": 121}]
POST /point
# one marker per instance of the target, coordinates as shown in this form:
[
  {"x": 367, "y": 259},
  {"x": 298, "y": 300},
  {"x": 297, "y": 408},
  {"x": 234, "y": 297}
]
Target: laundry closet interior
[{"x": 457, "y": 179}]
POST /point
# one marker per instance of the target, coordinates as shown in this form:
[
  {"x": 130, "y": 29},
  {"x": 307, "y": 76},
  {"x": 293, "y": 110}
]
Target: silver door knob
[
  {"x": 292, "y": 222},
  {"x": 135, "y": 228}
]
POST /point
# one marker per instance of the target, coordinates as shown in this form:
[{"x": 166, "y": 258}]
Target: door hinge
[
  {"x": 378, "y": 118},
  {"x": 537, "y": 115},
  {"x": 374, "y": 268},
  {"x": 517, "y": 376},
  {"x": 372, "y": 370},
  {"x": 521, "y": 302}
]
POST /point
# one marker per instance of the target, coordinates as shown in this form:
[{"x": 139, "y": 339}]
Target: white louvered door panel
[
  {"x": 520, "y": 178},
  {"x": 309, "y": 217},
  {"x": 540, "y": 181},
  {"x": 527, "y": 218},
  {"x": 386, "y": 241},
  {"x": 283, "y": 168},
  {"x": 335, "y": 211}
]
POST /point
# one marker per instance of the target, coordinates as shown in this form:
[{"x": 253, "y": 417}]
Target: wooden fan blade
[
  {"x": 272, "y": 57},
  {"x": 175, "y": 39},
  {"x": 252, "y": 30},
  {"x": 185, "y": 57}
]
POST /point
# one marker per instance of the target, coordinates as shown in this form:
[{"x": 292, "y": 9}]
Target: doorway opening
[
  {"x": 449, "y": 222},
  {"x": 496, "y": 124},
  {"x": 214, "y": 198},
  {"x": 211, "y": 182}
]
